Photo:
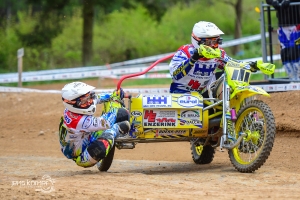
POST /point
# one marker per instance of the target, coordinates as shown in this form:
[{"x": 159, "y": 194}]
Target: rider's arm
[
  {"x": 183, "y": 61},
  {"x": 103, "y": 97},
  {"x": 92, "y": 123}
]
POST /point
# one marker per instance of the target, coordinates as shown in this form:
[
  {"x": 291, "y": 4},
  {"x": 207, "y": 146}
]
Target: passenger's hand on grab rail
[
  {"x": 209, "y": 52},
  {"x": 119, "y": 93}
]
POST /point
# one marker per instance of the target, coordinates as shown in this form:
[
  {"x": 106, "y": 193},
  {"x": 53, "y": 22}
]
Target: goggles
[
  {"x": 212, "y": 42},
  {"x": 84, "y": 101}
]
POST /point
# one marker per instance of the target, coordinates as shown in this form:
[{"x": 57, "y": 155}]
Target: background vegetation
[{"x": 120, "y": 33}]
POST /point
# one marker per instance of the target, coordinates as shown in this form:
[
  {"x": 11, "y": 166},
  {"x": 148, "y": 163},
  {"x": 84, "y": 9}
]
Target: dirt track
[{"x": 30, "y": 150}]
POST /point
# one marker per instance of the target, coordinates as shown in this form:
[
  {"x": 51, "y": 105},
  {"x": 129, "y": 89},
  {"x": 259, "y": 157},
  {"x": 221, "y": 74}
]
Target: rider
[
  {"x": 83, "y": 137},
  {"x": 190, "y": 71}
]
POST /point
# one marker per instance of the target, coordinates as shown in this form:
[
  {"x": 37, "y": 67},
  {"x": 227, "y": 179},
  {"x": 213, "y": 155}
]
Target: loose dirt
[{"x": 30, "y": 150}]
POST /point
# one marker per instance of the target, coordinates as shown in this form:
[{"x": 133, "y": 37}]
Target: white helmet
[
  {"x": 78, "y": 98},
  {"x": 203, "y": 30}
]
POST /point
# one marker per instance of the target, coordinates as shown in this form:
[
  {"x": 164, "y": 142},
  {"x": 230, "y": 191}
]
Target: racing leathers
[
  {"x": 188, "y": 76},
  {"x": 87, "y": 139}
]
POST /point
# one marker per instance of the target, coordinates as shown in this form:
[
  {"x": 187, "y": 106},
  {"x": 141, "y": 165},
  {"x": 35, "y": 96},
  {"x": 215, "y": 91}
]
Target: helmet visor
[
  {"x": 212, "y": 42},
  {"x": 85, "y": 100}
]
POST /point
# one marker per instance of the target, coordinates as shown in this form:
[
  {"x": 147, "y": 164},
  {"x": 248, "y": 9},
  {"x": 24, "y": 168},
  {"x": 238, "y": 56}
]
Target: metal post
[
  {"x": 20, "y": 55},
  {"x": 270, "y": 29},
  {"x": 263, "y": 33}
]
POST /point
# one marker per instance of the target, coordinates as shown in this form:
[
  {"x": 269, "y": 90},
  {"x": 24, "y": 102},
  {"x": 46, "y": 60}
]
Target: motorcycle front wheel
[{"x": 255, "y": 119}]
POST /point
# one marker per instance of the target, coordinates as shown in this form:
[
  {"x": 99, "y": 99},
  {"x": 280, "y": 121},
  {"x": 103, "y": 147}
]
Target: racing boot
[{"x": 122, "y": 128}]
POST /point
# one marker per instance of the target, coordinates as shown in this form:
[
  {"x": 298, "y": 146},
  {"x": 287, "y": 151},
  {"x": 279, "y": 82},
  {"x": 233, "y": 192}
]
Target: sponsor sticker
[
  {"x": 190, "y": 117},
  {"x": 157, "y": 101},
  {"x": 161, "y": 132},
  {"x": 199, "y": 131},
  {"x": 136, "y": 113},
  {"x": 165, "y": 118},
  {"x": 188, "y": 101}
]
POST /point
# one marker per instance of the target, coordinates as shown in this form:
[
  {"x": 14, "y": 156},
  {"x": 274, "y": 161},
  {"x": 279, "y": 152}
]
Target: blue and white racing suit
[
  {"x": 187, "y": 77},
  {"x": 77, "y": 132}
]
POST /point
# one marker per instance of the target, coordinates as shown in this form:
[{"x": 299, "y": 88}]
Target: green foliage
[
  {"x": 122, "y": 35},
  {"x": 66, "y": 48},
  {"x": 126, "y": 34}
]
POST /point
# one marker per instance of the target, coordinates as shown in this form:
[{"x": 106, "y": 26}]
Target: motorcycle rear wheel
[
  {"x": 104, "y": 164},
  {"x": 202, "y": 154},
  {"x": 257, "y": 120}
]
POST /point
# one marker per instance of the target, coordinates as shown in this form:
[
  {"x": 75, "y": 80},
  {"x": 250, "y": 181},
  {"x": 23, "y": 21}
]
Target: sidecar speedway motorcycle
[{"x": 232, "y": 120}]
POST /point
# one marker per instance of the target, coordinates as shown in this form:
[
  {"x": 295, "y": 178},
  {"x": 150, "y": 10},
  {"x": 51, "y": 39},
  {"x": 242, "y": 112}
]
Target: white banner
[
  {"x": 133, "y": 66},
  {"x": 267, "y": 87}
]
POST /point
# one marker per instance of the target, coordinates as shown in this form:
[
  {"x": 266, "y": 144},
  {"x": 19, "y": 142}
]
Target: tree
[
  {"x": 8, "y": 8},
  {"x": 49, "y": 26},
  {"x": 87, "y": 36},
  {"x": 237, "y": 5}
]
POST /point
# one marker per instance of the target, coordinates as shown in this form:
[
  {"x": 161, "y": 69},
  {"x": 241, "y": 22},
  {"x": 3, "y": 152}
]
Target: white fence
[{"x": 113, "y": 70}]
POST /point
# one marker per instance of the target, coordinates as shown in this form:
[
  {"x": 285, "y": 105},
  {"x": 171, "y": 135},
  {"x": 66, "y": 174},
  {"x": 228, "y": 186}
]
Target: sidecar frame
[{"x": 213, "y": 120}]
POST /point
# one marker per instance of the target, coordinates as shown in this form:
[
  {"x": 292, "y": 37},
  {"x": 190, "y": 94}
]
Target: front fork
[{"x": 229, "y": 116}]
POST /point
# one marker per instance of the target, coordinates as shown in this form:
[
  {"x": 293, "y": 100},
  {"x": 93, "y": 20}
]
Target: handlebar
[{"x": 143, "y": 72}]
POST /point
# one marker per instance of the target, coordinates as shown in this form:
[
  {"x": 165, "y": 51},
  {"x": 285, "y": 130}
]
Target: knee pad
[
  {"x": 122, "y": 115},
  {"x": 97, "y": 149}
]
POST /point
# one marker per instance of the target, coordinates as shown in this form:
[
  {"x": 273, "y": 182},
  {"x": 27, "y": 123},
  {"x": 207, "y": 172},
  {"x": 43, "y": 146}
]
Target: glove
[
  {"x": 253, "y": 66},
  {"x": 208, "y": 52},
  {"x": 195, "y": 56},
  {"x": 119, "y": 93}
]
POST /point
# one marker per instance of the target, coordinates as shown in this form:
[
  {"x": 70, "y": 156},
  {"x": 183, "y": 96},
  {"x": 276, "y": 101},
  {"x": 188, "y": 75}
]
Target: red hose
[{"x": 143, "y": 72}]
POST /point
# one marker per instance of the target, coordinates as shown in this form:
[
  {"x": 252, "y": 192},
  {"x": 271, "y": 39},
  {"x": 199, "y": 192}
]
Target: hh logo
[{"x": 156, "y": 100}]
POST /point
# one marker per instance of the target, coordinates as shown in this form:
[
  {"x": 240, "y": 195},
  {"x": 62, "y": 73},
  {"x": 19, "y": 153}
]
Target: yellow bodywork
[{"x": 168, "y": 116}]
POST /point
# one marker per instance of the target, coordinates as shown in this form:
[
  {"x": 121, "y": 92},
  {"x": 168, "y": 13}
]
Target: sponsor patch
[
  {"x": 194, "y": 114},
  {"x": 87, "y": 122},
  {"x": 95, "y": 122},
  {"x": 67, "y": 119},
  {"x": 104, "y": 123}
]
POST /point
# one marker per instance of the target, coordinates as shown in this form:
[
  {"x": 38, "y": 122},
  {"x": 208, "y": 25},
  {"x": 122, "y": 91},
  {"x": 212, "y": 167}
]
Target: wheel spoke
[{"x": 252, "y": 124}]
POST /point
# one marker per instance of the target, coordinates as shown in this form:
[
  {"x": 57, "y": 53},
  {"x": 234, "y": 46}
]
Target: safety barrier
[
  {"x": 109, "y": 73},
  {"x": 266, "y": 87},
  {"x": 102, "y": 71}
]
